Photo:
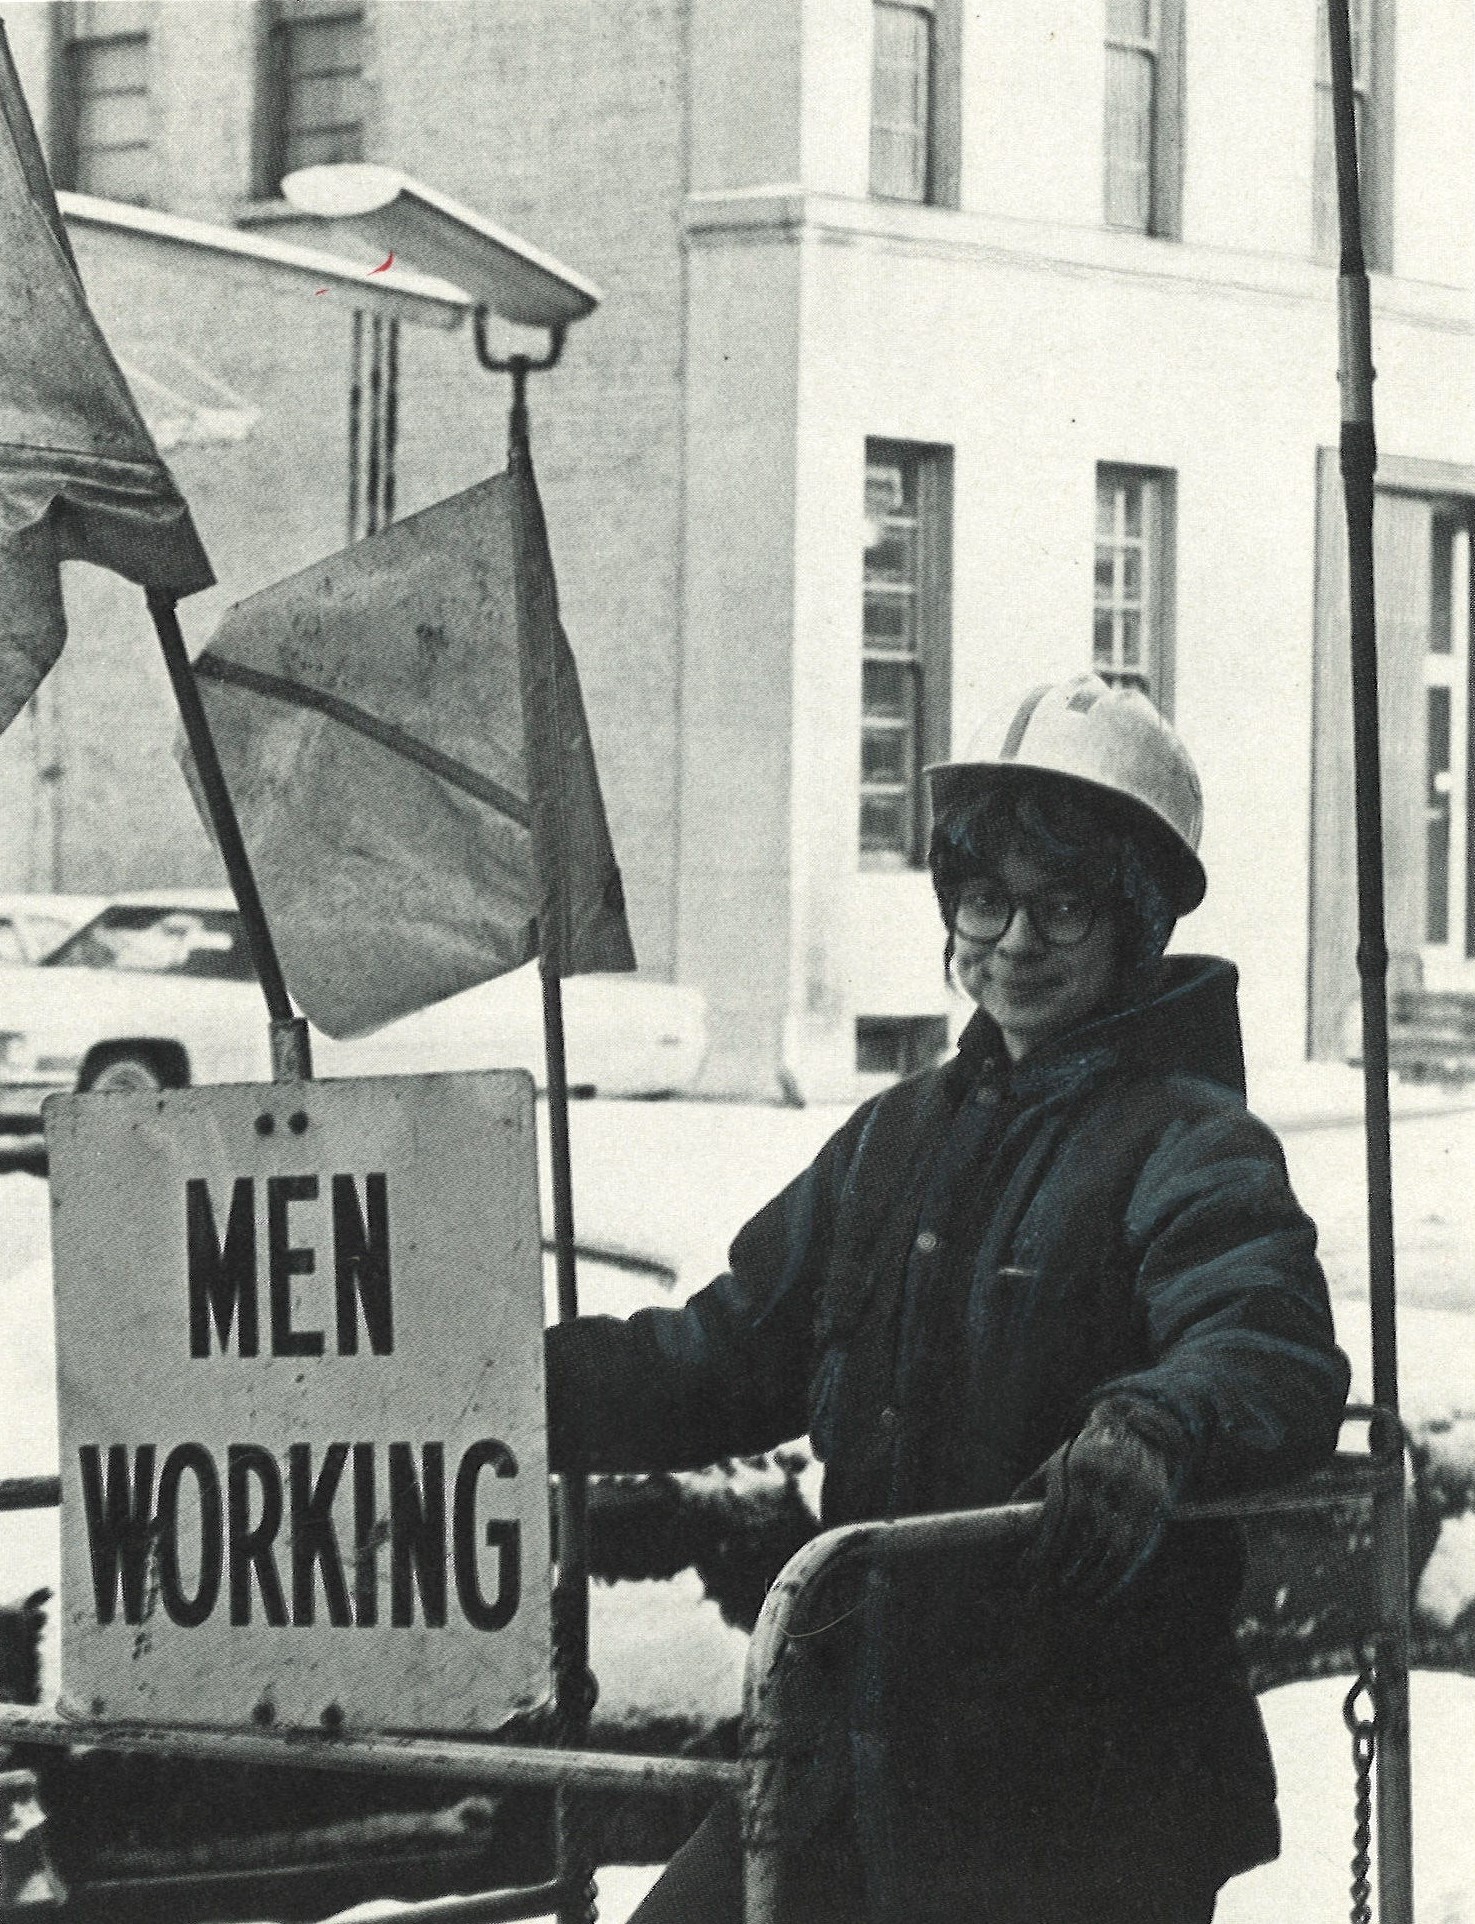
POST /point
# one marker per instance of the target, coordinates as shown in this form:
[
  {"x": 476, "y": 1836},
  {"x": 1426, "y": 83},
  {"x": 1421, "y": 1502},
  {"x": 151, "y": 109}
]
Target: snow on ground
[
  {"x": 1448, "y": 1580},
  {"x": 1433, "y": 1208},
  {"x": 27, "y": 1346},
  {"x": 679, "y": 1179},
  {"x": 1434, "y": 1231},
  {"x": 621, "y": 1887},
  {"x": 663, "y": 1649},
  {"x": 1311, "y": 1878},
  {"x": 30, "y": 1556}
]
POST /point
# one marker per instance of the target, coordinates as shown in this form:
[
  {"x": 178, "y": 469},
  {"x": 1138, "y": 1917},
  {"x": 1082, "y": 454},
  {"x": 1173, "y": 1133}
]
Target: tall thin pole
[
  {"x": 376, "y": 421},
  {"x": 1359, "y": 466},
  {"x": 391, "y": 418},
  {"x": 1359, "y": 459},
  {"x": 291, "y": 1056},
  {"x": 355, "y": 421},
  {"x": 573, "y": 1683}
]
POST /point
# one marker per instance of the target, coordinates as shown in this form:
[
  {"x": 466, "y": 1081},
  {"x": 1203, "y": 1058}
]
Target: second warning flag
[{"x": 403, "y": 735}]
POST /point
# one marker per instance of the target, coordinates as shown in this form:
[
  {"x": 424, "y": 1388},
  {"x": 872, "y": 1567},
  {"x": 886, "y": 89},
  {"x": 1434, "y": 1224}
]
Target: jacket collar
[{"x": 1189, "y": 1025}]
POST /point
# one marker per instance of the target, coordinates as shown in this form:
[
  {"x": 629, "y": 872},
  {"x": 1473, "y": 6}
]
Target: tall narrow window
[
  {"x": 102, "y": 140},
  {"x": 901, "y": 101},
  {"x": 1372, "y": 104},
  {"x": 1132, "y": 639},
  {"x": 1144, "y": 115},
  {"x": 906, "y": 646},
  {"x": 916, "y": 100},
  {"x": 1449, "y": 766},
  {"x": 315, "y": 86}
]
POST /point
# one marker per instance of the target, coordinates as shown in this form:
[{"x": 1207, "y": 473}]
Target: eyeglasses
[{"x": 1062, "y": 918}]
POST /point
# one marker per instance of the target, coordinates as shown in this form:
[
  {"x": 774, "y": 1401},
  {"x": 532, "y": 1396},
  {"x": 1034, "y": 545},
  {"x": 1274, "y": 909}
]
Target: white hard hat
[{"x": 1111, "y": 739}]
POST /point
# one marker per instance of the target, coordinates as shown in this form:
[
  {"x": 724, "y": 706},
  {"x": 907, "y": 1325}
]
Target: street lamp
[
  {"x": 440, "y": 236},
  {"x": 500, "y": 272}
]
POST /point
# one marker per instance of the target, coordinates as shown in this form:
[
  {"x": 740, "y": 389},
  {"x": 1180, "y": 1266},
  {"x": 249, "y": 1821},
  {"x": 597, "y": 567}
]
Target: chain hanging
[{"x": 1364, "y": 1729}]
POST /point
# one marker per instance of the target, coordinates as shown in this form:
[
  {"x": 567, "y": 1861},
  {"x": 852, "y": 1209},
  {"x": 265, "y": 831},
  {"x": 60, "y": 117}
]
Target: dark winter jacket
[{"x": 976, "y": 1258}]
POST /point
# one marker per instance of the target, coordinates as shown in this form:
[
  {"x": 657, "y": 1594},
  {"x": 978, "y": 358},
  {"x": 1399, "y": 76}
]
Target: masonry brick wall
[{"x": 562, "y": 122}]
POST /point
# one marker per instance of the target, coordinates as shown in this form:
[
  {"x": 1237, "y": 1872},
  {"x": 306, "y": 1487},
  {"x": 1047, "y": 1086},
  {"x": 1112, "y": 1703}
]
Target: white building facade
[{"x": 1114, "y": 443}]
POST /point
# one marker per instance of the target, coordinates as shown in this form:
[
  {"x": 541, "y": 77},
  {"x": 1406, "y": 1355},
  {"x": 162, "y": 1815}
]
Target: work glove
[{"x": 1107, "y": 1493}]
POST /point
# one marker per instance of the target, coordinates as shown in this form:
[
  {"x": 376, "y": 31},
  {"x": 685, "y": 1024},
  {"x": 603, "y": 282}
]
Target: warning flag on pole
[
  {"x": 403, "y": 736},
  {"x": 80, "y": 480}
]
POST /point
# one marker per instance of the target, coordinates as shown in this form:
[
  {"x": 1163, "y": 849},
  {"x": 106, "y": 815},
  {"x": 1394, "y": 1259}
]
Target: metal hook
[
  {"x": 519, "y": 366},
  {"x": 1364, "y": 1686},
  {"x": 515, "y": 363}
]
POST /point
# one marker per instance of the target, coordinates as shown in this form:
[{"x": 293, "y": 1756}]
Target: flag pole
[
  {"x": 574, "y": 1687},
  {"x": 1359, "y": 461},
  {"x": 291, "y": 1049}
]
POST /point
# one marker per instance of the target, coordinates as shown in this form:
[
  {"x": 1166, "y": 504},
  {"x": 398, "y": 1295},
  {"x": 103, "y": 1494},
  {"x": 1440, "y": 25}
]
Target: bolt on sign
[{"x": 300, "y": 1371}]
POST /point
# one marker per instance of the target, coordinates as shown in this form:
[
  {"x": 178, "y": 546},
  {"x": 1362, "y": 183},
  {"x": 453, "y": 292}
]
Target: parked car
[
  {"x": 156, "y": 990},
  {"x": 31, "y": 926}
]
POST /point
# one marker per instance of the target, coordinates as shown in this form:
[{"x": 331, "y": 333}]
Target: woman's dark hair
[{"x": 1084, "y": 838}]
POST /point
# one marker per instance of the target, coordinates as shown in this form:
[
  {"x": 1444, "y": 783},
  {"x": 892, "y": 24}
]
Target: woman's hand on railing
[{"x": 1107, "y": 1494}]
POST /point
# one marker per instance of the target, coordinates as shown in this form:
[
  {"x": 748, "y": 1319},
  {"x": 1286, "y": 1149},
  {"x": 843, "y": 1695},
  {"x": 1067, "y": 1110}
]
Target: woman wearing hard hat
[{"x": 1067, "y": 1264}]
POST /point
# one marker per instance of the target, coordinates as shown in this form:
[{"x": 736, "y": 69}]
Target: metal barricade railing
[
  {"x": 775, "y": 1696},
  {"x": 774, "y": 1720},
  {"x": 455, "y": 1760}
]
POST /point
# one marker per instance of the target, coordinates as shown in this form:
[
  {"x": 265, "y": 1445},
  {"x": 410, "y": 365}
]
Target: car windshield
[
  {"x": 161, "y": 941},
  {"x": 43, "y": 933}
]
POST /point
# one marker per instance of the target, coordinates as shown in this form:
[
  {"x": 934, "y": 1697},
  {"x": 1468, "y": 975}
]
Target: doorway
[{"x": 1422, "y": 529}]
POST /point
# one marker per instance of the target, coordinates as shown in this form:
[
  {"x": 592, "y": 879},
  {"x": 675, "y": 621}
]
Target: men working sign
[{"x": 299, "y": 1336}]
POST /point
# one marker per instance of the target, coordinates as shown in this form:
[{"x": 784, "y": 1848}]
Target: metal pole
[
  {"x": 376, "y": 420},
  {"x": 1359, "y": 460},
  {"x": 391, "y": 418},
  {"x": 355, "y": 421},
  {"x": 574, "y": 1689},
  {"x": 291, "y": 1052},
  {"x": 1393, "y": 1779},
  {"x": 434, "y": 1760},
  {"x": 573, "y": 1682},
  {"x": 1359, "y": 457}
]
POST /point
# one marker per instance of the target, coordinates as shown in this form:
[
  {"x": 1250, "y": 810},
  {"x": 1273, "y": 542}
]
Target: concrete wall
[
  {"x": 1033, "y": 114},
  {"x": 738, "y": 681},
  {"x": 745, "y": 92}
]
